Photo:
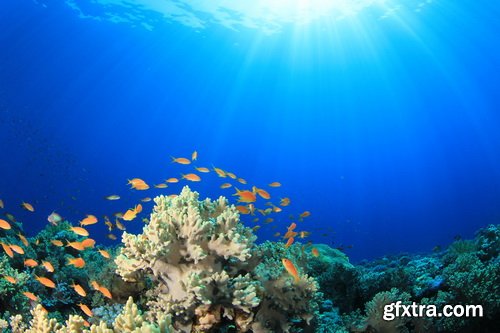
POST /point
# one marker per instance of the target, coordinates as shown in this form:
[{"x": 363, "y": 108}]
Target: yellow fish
[
  {"x": 4, "y": 225},
  {"x": 57, "y": 242},
  {"x": 88, "y": 220},
  {"x": 220, "y": 172},
  {"x": 28, "y": 206},
  {"x": 181, "y": 160},
  {"x": 104, "y": 253}
]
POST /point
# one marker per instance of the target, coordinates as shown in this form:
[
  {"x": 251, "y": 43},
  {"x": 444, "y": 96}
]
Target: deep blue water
[{"x": 387, "y": 130}]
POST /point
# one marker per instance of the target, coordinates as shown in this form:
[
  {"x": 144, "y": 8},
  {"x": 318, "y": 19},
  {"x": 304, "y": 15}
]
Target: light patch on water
[{"x": 269, "y": 16}]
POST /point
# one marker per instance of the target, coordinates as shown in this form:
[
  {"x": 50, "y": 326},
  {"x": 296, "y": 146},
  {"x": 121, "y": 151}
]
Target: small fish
[
  {"x": 305, "y": 214},
  {"x": 88, "y": 243},
  {"x": 138, "y": 184},
  {"x": 76, "y": 245},
  {"x": 262, "y": 193},
  {"x": 277, "y": 209},
  {"x": 79, "y": 289},
  {"x": 146, "y": 199},
  {"x": 10, "y": 217},
  {"x": 304, "y": 234},
  {"x": 57, "y": 242},
  {"x": 105, "y": 291},
  {"x": 117, "y": 215},
  {"x": 275, "y": 184},
  {"x": 226, "y": 185},
  {"x": 120, "y": 225},
  {"x": 194, "y": 156},
  {"x": 202, "y": 169},
  {"x": 292, "y": 226},
  {"x": 31, "y": 296},
  {"x": 48, "y": 266},
  {"x": 289, "y": 234},
  {"x": 138, "y": 208},
  {"x": 112, "y": 237},
  {"x": 113, "y": 197},
  {"x": 45, "y": 281},
  {"x": 257, "y": 227},
  {"x": 255, "y": 219},
  {"x": 23, "y": 239},
  {"x": 161, "y": 185},
  {"x": 86, "y": 309},
  {"x": 145, "y": 220},
  {"x": 268, "y": 220},
  {"x": 172, "y": 180},
  {"x": 289, "y": 242},
  {"x": 80, "y": 231},
  {"x": 16, "y": 248},
  {"x": 54, "y": 218},
  {"x": 231, "y": 175},
  {"x": 243, "y": 209},
  {"x": 290, "y": 268},
  {"x": 94, "y": 284},
  {"x": 29, "y": 207},
  {"x": 10, "y": 279},
  {"x": 315, "y": 252},
  {"x": 181, "y": 160},
  {"x": 220, "y": 172},
  {"x": 277, "y": 234},
  {"x": 242, "y": 181},
  {"x": 77, "y": 262},
  {"x": 192, "y": 177},
  {"x": 4, "y": 225},
  {"x": 2, "y": 206},
  {"x": 30, "y": 263},
  {"x": 245, "y": 196},
  {"x": 88, "y": 220},
  {"x": 130, "y": 215},
  {"x": 104, "y": 253},
  {"x": 284, "y": 202}
]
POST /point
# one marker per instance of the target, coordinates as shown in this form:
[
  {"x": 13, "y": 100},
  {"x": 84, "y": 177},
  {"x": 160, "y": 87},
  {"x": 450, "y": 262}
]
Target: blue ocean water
[{"x": 383, "y": 122}]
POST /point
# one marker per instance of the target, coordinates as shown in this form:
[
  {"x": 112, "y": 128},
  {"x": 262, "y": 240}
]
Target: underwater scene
[{"x": 279, "y": 166}]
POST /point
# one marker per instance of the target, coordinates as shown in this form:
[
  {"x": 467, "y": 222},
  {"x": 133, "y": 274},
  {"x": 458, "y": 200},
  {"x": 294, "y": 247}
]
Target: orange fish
[
  {"x": 130, "y": 215},
  {"x": 105, "y": 291},
  {"x": 220, "y": 172},
  {"x": 161, "y": 185},
  {"x": 289, "y": 234},
  {"x": 263, "y": 193},
  {"x": 80, "y": 231},
  {"x": 290, "y": 268},
  {"x": 268, "y": 220},
  {"x": 28, "y": 207},
  {"x": 76, "y": 245},
  {"x": 305, "y": 214},
  {"x": 57, "y": 242},
  {"x": 138, "y": 208},
  {"x": 104, "y": 253},
  {"x": 30, "y": 263},
  {"x": 275, "y": 184},
  {"x": 192, "y": 177},
  {"x": 4, "y": 225},
  {"x": 181, "y": 160},
  {"x": 243, "y": 209},
  {"x": 284, "y": 201},
  {"x": 292, "y": 226},
  {"x": 138, "y": 184},
  {"x": 86, "y": 309},
  {"x": 23, "y": 239},
  {"x": 77, "y": 262},
  {"x": 242, "y": 181},
  {"x": 10, "y": 279},
  {"x": 146, "y": 199},
  {"x": 94, "y": 284},
  {"x": 89, "y": 220},
  {"x": 231, "y": 175},
  {"x": 16, "y": 248},
  {"x": 48, "y": 266},
  {"x": 304, "y": 234},
  {"x": 245, "y": 196},
  {"x": 45, "y": 281},
  {"x": 315, "y": 252},
  {"x": 226, "y": 185},
  {"x": 202, "y": 169},
  {"x": 172, "y": 180},
  {"x": 277, "y": 209},
  {"x": 289, "y": 242},
  {"x": 88, "y": 242},
  {"x": 194, "y": 156},
  {"x": 79, "y": 289},
  {"x": 31, "y": 296}
]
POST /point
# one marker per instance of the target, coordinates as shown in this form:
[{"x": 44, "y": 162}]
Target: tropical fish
[
  {"x": 104, "y": 253},
  {"x": 117, "y": 215},
  {"x": 77, "y": 262},
  {"x": 277, "y": 209},
  {"x": 10, "y": 217},
  {"x": 226, "y": 185},
  {"x": 161, "y": 185},
  {"x": 289, "y": 242},
  {"x": 257, "y": 227},
  {"x": 4, "y": 225},
  {"x": 76, "y": 245},
  {"x": 112, "y": 237},
  {"x": 202, "y": 169},
  {"x": 2, "y": 206},
  {"x": 109, "y": 224},
  {"x": 305, "y": 214},
  {"x": 88, "y": 242},
  {"x": 277, "y": 234},
  {"x": 304, "y": 234},
  {"x": 292, "y": 226},
  {"x": 172, "y": 180},
  {"x": 242, "y": 181},
  {"x": 10, "y": 279},
  {"x": 181, "y": 160},
  {"x": 79, "y": 289},
  {"x": 88, "y": 220},
  {"x": 30, "y": 263},
  {"x": 29, "y": 207},
  {"x": 86, "y": 309},
  {"x": 119, "y": 225},
  {"x": 16, "y": 248},
  {"x": 94, "y": 284},
  {"x": 194, "y": 156},
  {"x": 284, "y": 202},
  {"x": 48, "y": 266},
  {"x": 105, "y": 291},
  {"x": 290, "y": 268},
  {"x": 7, "y": 250},
  {"x": 245, "y": 196},
  {"x": 192, "y": 177},
  {"x": 54, "y": 218},
  {"x": 130, "y": 215},
  {"x": 23, "y": 239},
  {"x": 231, "y": 175},
  {"x": 113, "y": 197},
  {"x": 31, "y": 296},
  {"x": 45, "y": 281},
  {"x": 220, "y": 172},
  {"x": 138, "y": 208},
  {"x": 315, "y": 252},
  {"x": 275, "y": 184},
  {"x": 243, "y": 209},
  {"x": 80, "y": 231},
  {"x": 251, "y": 208},
  {"x": 57, "y": 242},
  {"x": 147, "y": 199},
  {"x": 138, "y": 184},
  {"x": 262, "y": 193}
]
